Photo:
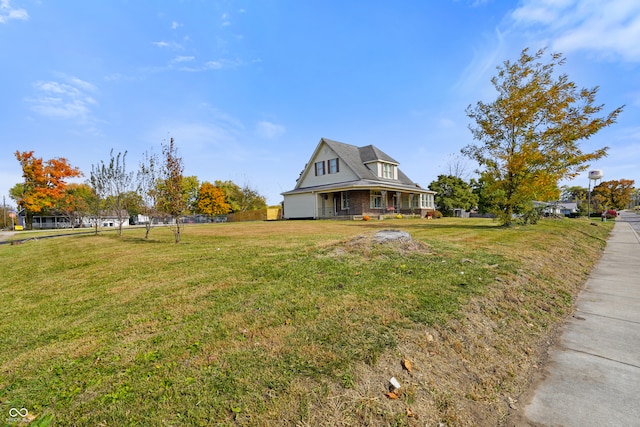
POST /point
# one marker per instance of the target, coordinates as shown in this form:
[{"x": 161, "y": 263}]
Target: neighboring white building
[{"x": 342, "y": 180}]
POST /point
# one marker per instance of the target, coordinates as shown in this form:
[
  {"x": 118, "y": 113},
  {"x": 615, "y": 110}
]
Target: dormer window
[{"x": 387, "y": 170}]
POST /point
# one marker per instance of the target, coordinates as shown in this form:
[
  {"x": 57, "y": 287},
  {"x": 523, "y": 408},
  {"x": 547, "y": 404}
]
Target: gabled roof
[{"x": 356, "y": 159}]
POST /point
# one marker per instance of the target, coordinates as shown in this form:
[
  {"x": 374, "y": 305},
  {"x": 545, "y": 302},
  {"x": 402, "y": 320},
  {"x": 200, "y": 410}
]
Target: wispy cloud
[
  {"x": 178, "y": 59},
  {"x": 269, "y": 130},
  {"x": 225, "y": 20},
  {"x": 7, "y": 12},
  {"x": 218, "y": 64},
  {"x": 169, "y": 45},
  {"x": 610, "y": 29},
  {"x": 69, "y": 98}
]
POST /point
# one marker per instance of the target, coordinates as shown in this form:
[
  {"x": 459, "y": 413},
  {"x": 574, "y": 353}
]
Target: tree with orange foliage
[
  {"x": 615, "y": 194},
  {"x": 45, "y": 183},
  {"x": 211, "y": 200}
]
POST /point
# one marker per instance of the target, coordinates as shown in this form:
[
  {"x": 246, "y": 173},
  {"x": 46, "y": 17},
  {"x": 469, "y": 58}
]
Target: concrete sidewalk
[{"x": 592, "y": 377}]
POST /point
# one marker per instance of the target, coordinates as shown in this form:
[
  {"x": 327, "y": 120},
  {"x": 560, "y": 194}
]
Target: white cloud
[
  {"x": 183, "y": 59},
  {"x": 7, "y": 12},
  {"x": 175, "y": 25},
  {"x": 610, "y": 29},
  {"x": 212, "y": 65},
  {"x": 67, "y": 99},
  {"x": 225, "y": 20},
  {"x": 269, "y": 130},
  {"x": 169, "y": 45}
]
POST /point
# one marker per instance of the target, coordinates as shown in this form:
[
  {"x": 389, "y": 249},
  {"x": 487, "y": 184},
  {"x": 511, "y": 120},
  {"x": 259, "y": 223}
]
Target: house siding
[
  {"x": 300, "y": 206},
  {"x": 310, "y": 179},
  {"x": 319, "y": 194}
]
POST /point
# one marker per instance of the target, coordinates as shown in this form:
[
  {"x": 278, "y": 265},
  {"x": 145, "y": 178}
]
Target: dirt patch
[{"x": 369, "y": 245}]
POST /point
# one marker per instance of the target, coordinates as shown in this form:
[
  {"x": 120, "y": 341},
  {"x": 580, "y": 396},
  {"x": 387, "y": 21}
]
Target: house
[
  {"x": 345, "y": 181},
  {"x": 561, "y": 208},
  {"x": 58, "y": 220}
]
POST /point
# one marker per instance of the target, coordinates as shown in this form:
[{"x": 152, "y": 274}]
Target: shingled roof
[{"x": 358, "y": 157}]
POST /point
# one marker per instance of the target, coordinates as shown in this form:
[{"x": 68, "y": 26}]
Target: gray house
[{"x": 344, "y": 181}]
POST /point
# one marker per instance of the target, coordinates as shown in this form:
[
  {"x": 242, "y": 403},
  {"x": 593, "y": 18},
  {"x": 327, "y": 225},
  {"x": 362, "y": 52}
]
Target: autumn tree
[
  {"x": 250, "y": 199},
  {"x": 615, "y": 194},
  {"x": 111, "y": 182},
  {"x": 190, "y": 187},
  {"x": 211, "y": 200},
  {"x": 452, "y": 193},
  {"x": 171, "y": 197},
  {"x": 75, "y": 203},
  {"x": 241, "y": 199},
  {"x": 231, "y": 193},
  {"x": 44, "y": 182},
  {"x": 528, "y": 137}
]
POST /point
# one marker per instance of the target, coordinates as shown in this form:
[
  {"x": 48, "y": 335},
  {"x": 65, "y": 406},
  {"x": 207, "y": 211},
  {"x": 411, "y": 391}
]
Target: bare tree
[
  {"x": 112, "y": 182},
  {"x": 457, "y": 166},
  {"x": 147, "y": 180}
]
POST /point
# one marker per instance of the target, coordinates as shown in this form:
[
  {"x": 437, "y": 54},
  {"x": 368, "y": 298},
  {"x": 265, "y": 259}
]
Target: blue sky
[{"x": 248, "y": 88}]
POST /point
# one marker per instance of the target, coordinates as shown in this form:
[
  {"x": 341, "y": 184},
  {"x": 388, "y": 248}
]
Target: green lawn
[{"x": 269, "y": 323}]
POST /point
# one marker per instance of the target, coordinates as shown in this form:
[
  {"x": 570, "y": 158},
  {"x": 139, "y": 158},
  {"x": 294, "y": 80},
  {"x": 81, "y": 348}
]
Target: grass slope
[{"x": 286, "y": 323}]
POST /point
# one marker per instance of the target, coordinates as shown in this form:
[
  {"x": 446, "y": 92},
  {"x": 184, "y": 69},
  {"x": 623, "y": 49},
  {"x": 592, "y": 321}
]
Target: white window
[
  {"x": 344, "y": 199},
  {"x": 319, "y": 166},
  {"x": 387, "y": 170},
  {"x": 426, "y": 201},
  {"x": 375, "y": 199},
  {"x": 334, "y": 167}
]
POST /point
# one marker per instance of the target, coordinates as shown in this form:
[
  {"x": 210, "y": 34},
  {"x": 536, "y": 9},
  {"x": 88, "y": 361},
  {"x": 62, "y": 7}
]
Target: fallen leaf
[
  {"x": 406, "y": 364},
  {"x": 409, "y": 412},
  {"x": 392, "y": 395},
  {"x": 429, "y": 338}
]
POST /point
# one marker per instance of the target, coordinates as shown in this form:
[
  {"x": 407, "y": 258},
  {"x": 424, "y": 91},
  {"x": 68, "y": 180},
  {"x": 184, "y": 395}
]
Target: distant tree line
[{"x": 157, "y": 188}]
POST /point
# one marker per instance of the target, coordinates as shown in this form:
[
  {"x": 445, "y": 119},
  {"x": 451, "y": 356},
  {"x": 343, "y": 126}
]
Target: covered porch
[{"x": 375, "y": 203}]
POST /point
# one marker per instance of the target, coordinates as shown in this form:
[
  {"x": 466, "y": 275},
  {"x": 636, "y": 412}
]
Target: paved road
[
  {"x": 4, "y": 235},
  {"x": 633, "y": 219},
  {"x": 592, "y": 377}
]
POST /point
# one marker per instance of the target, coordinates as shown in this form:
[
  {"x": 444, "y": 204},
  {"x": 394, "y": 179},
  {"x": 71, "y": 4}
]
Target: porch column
[
  {"x": 384, "y": 200},
  {"x": 398, "y": 201}
]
